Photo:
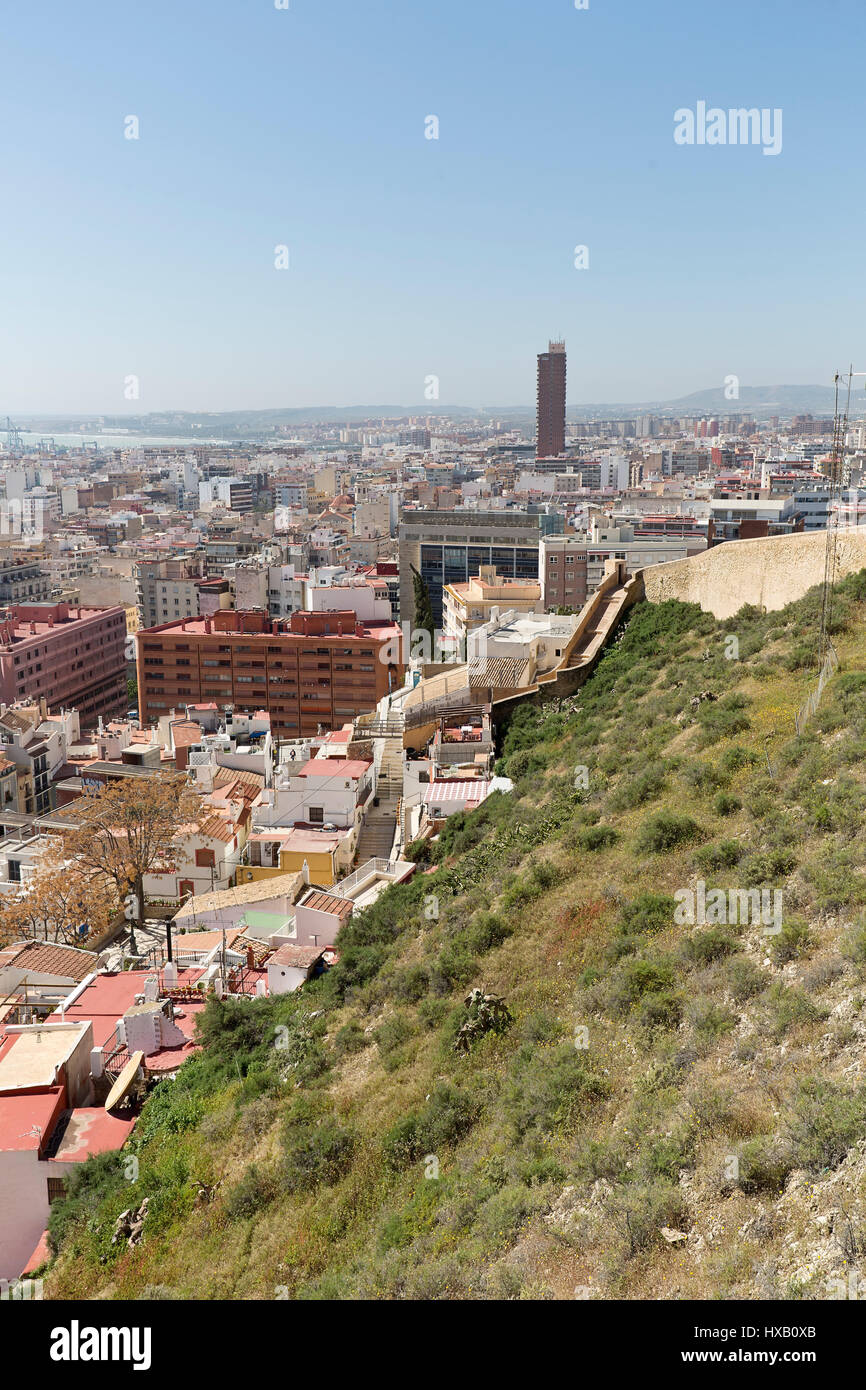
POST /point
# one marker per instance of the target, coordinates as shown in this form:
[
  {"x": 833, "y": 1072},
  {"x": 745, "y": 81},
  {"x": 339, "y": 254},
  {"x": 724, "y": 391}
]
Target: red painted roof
[
  {"x": 91, "y": 1130},
  {"x": 26, "y": 1120},
  {"x": 39, "y": 1256},
  {"x": 109, "y": 996}
]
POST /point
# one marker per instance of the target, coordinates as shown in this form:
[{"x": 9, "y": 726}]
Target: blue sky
[{"x": 410, "y": 257}]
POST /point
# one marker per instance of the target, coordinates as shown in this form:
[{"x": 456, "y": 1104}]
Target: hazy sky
[{"x": 411, "y": 257}]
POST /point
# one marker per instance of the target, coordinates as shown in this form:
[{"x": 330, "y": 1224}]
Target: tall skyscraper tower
[{"x": 550, "y": 402}]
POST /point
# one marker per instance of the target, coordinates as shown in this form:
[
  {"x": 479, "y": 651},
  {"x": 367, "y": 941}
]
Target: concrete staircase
[{"x": 376, "y": 839}]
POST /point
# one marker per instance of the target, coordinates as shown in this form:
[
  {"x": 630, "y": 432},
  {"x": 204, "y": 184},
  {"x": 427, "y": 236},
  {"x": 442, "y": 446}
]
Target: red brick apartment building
[
  {"x": 73, "y": 657},
  {"x": 307, "y": 670}
]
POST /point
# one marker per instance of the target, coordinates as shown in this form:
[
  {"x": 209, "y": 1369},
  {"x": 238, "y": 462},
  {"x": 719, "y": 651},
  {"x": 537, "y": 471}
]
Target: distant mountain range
[{"x": 763, "y": 402}]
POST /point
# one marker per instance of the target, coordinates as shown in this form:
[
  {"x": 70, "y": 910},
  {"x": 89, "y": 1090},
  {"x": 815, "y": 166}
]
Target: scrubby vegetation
[{"x": 675, "y": 1107}]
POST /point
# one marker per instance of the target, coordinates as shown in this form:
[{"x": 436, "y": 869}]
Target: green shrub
[
  {"x": 550, "y": 1088},
  {"x": 709, "y": 1019},
  {"x": 597, "y": 837},
  {"x": 664, "y": 831},
  {"x": 541, "y": 1170},
  {"x": 445, "y": 1117},
  {"x": 744, "y": 979},
  {"x": 660, "y": 1009},
  {"x": 393, "y": 1033},
  {"x": 646, "y": 914},
  {"x": 316, "y": 1156},
  {"x": 828, "y": 1120},
  {"x": 706, "y": 946},
  {"x": 255, "y": 1190},
  {"x": 638, "y": 1212},
  {"x": 455, "y": 965},
  {"x": 733, "y": 759},
  {"x": 486, "y": 931},
  {"x": 542, "y": 1026},
  {"x": 646, "y": 786},
  {"x": 764, "y": 1165},
  {"x": 854, "y": 943},
  {"x": 418, "y": 852},
  {"x": 88, "y": 1185},
  {"x": 522, "y": 763},
  {"x": 411, "y": 983},
  {"x": 723, "y": 718},
  {"x": 726, "y": 805},
  {"x": 768, "y": 868},
  {"x": 350, "y": 1038},
  {"x": 703, "y": 777},
  {"x": 635, "y": 978},
  {"x": 356, "y": 966},
  {"x": 723, "y": 855},
  {"x": 433, "y": 1012},
  {"x": 504, "y": 1213},
  {"x": 793, "y": 941},
  {"x": 791, "y": 1007}
]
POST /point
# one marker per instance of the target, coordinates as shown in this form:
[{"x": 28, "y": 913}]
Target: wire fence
[{"x": 829, "y": 668}]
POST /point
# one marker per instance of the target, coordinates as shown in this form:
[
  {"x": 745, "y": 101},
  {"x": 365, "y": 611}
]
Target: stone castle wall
[{"x": 768, "y": 573}]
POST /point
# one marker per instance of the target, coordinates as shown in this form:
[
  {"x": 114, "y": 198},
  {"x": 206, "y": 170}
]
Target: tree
[
  {"x": 423, "y": 607},
  {"x": 61, "y": 897},
  {"x": 131, "y": 828}
]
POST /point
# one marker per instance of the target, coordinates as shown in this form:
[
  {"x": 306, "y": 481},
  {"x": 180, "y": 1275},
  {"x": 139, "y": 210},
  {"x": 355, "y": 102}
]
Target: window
[
  {"x": 56, "y": 1189},
  {"x": 317, "y": 815},
  {"x": 204, "y": 858}
]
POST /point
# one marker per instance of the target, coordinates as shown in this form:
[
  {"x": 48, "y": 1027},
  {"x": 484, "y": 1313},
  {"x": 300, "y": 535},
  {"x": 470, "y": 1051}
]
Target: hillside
[{"x": 672, "y": 1110}]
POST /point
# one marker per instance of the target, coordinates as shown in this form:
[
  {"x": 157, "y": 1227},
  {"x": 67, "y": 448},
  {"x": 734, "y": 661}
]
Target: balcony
[{"x": 372, "y": 878}]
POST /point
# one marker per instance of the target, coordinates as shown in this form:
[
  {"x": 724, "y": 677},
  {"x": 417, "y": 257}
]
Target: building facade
[
  {"x": 550, "y": 402},
  {"x": 451, "y": 547},
  {"x": 316, "y": 669},
  {"x": 70, "y": 657}
]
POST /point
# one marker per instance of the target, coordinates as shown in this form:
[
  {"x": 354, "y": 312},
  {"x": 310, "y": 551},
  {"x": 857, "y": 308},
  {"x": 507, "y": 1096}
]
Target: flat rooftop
[
  {"x": 31, "y": 1058},
  {"x": 91, "y": 1130},
  {"x": 25, "y": 1119}
]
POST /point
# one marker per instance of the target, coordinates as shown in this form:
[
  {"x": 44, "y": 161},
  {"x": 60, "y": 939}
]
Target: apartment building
[
  {"x": 70, "y": 565},
  {"x": 450, "y": 547},
  {"x": 467, "y": 606},
  {"x": 70, "y": 657},
  {"x": 315, "y": 669},
  {"x": 749, "y": 518},
  {"x": 168, "y": 589},
  {"x": 226, "y": 548},
  {"x": 370, "y": 519},
  {"x": 388, "y": 571},
  {"x": 572, "y": 567},
  {"x": 234, "y": 493},
  {"x": 313, "y": 813},
  {"x": 275, "y": 587},
  {"x": 563, "y": 569},
  {"x": 35, "y": 744},
  {"x": 23, "y": 579},
  {"x": 550, "y": 402},
  {"x": 290, "y": 492}
]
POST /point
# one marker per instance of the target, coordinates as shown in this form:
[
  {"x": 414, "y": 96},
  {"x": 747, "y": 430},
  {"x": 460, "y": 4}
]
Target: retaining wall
[{"x": 769, "y": 573}]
